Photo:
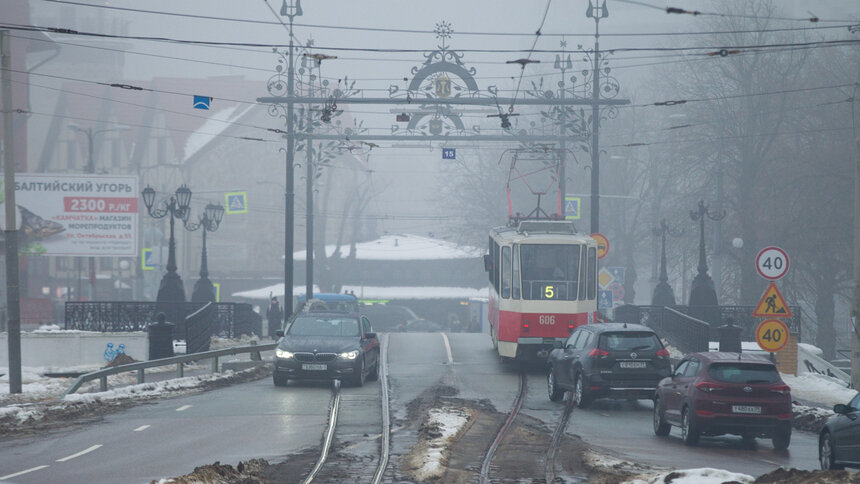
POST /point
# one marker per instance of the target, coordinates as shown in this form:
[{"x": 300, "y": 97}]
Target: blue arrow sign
[{"x": 202, "y": 102}]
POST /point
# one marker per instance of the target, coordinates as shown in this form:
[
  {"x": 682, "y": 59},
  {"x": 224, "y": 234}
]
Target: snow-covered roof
[
  {"x": 375, "y": 292},
  {"x": 404, "y": 247},
  {"x": 212, "y": 127}
]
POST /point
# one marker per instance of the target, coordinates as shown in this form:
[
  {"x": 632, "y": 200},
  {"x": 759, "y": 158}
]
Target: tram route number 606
[{"x": 546, "y": 319}]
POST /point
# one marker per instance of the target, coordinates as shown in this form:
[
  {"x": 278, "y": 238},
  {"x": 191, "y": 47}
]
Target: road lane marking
[
  {"x": 85, "y": 451},
  {"x": 184, "y": 407},
  {"x": 10, "y": 476},
  {"x": 141, "y": 428},
  {"x": 447, "y": 347}
]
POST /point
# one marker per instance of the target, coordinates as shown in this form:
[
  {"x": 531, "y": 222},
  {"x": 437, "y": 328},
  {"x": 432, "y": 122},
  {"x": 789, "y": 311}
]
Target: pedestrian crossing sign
[
  {"x": 146, "y": 261},
  {"x": 237, "y": 202},
  {"x": 772, "y": 304},
  {"x": 572, "y": 208},
  {"x": 217, "y": 286}
]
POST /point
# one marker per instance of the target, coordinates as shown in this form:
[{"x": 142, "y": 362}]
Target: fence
[
  {"x": 231, "y": 319},
  {"x": 690, "y": 334}
]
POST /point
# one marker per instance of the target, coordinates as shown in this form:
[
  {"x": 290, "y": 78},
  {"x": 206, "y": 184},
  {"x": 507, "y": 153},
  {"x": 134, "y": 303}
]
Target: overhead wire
[{"x": 420, "y": 31}]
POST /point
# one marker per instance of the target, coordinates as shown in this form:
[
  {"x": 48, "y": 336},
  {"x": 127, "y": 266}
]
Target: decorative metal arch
[{"x": 429, "y": 81}]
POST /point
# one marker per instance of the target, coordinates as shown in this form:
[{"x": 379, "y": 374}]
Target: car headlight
[
  {"x": 279, "y": 353},
  {"x": 349, "y": 355}
]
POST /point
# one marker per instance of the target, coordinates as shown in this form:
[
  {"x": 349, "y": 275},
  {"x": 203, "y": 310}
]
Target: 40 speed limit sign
[
  {"x": 772, "y": 263},
  {"x": 771, "y": 335}
]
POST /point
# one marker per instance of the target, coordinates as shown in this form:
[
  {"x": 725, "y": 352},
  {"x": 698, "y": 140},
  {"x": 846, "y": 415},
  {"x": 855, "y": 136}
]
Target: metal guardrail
[{"x": 177, "y": 360}]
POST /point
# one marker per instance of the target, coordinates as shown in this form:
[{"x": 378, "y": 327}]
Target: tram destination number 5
[{"x": 772, "y": 263}]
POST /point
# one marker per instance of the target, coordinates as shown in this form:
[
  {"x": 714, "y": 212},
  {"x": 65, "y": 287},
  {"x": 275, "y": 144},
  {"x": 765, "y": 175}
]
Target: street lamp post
[
  {"x": 91, "y": 168},
  {"x": 702, "y": 292},
  {"x": 663, "y": 294},
  {"x": 204, "y": 291},
  {"x": 176, "y": 206}
]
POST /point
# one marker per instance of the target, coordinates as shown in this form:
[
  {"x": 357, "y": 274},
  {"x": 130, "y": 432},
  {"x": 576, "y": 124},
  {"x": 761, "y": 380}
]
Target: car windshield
[
  {"x": 324, "y": 326},
  {"x": 387, "y": 318},
  {"x": 630, "y": 341},
  {"x": 743, "y": 373}
]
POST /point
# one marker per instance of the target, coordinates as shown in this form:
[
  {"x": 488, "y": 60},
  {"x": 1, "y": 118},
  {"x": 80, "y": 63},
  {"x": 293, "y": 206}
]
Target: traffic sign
[
  {"x": 771, "y": 335},
  {"x": 617, "y": 291},
  {"x": 602, "y": 245},
  {"x": 772, "y": 263},
  {"x": 449, "y": 153},
  {"x": 572, "y": 208},
  {"x": 772, "y": 304},
  {"x": 217, "y": 286},
  {"x": 237, "y": 202},
  {"x": 604, "y": 299},
  {"x": 617, "y": 274},
  {"x": 146, "y": 262},
  {"x": 604, "y": 278},
  {"x": 202, "y": 102}
]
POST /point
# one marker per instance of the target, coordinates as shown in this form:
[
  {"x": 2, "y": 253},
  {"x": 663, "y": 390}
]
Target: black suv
[{"x": 607, "y": 360}]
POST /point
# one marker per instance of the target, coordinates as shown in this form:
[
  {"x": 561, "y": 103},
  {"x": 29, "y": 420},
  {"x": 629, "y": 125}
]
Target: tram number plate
[
  {"x": 746, "y": 409},
  {"x": 632, "y": 364},
  {"x": 314, "y": 367}
]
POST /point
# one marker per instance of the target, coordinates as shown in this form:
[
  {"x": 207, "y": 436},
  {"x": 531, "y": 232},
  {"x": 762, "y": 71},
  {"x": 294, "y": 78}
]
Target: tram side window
[
  {"x": 582, "y": 274},
  {"x": 492, "y": 261},
  {"x": 516, "y": 273},
  {"x": 506, "y": 272},
  {"x": 496, "y": 267},
  {"x": 592, "y": 268}
]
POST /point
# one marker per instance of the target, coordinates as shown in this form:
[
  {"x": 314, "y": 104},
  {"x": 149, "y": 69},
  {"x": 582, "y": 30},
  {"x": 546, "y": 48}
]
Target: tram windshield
[{"x": 550, "y": 271}]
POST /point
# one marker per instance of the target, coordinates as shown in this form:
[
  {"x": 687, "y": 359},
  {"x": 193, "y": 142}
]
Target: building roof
[{"x": 403, "y": 247}]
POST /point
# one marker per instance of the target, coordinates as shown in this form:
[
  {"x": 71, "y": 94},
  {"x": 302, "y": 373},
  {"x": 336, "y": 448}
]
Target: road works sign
[
  {"x": 602, "y": 245},
  {"x": 771, "y": 335},
  {"x": 772, "y": 263},
  {"x": 772, "y": 304}
]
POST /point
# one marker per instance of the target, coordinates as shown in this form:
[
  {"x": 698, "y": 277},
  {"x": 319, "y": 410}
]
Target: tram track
[
  {"x": 512, "y": 415},
  {"x": 334, "y": 410},
  {"x": 557, "y": 436}
]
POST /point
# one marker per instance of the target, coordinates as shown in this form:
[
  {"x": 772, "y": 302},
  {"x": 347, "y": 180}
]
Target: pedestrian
[{"x": 274, "y": 316}]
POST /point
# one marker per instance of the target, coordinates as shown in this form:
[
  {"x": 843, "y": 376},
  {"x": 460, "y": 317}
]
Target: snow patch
[
  {"x": 403, "y": 247},
  {"x": 704, "y": 475},
  {"x": 820, "y": 389},
  {"x": 441, "y": 426}
]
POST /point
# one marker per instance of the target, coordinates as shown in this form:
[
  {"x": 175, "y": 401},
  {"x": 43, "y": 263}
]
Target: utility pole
[
  {"x": 855, "y": 314},
  {"x": 289, "y": 11},
  {"x": 309, "y": 224},
  {"x": 595, "y": 115},
  {"x": 13, "y": 310}
]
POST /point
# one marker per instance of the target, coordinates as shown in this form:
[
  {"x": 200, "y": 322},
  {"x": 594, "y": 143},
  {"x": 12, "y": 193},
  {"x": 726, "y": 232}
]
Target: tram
[{"x": 543, "y": 285}]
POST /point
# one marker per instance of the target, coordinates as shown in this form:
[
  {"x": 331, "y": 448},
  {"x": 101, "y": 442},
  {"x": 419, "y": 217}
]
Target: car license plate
[
  {"x": 745, "y": 409},
  {"x": 632, "y": 364},
  {"x": 314, "y": 367}
]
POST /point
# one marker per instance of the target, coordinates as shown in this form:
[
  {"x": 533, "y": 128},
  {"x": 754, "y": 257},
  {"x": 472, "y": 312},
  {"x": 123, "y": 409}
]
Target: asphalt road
[{"x": 169, "y": 438}]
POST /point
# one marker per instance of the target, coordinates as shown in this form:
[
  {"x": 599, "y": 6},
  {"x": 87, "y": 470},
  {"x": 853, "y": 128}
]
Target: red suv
[{"x": 724, "y": 393}]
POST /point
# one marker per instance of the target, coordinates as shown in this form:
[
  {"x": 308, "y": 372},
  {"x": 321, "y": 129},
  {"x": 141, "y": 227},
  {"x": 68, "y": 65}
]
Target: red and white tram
[{"x": 543, "y": 284}]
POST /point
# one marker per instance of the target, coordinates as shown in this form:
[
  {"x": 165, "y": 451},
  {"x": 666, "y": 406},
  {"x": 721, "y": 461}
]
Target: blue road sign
[
  {"x": 237, "y": 202},
  {"x": 449, "y": 153},
  {"x": 604, "y": 299},
  {"x": 571, "y": 208},
  {"x": 202, "y": 102},
  {"x": 617, "y": 274},
  {"x": 146, "y": 262}
]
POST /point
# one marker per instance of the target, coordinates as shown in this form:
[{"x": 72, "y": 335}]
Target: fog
[{"x": 765, "y": 133}]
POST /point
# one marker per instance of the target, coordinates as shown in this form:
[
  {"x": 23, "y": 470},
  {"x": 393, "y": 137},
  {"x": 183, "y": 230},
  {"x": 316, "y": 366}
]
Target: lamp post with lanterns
[
  {"x": 177, "y": 206},
  {"x": 209, "y": 221}
]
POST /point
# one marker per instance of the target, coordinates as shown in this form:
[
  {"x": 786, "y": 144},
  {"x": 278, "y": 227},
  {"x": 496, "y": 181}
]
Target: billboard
[{"x": 76, "y": 215}]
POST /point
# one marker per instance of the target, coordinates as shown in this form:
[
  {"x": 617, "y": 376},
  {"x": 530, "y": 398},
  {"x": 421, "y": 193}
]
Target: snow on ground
[
  {"x": 441, "y": 426},
  {"x": 820, "y": 389},
  {"x": 704, "y": 475}
]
